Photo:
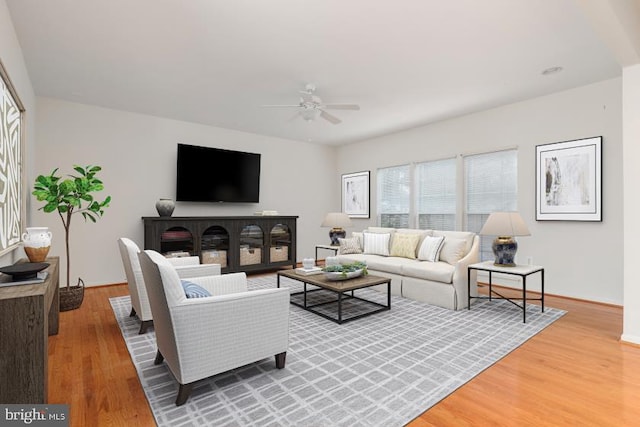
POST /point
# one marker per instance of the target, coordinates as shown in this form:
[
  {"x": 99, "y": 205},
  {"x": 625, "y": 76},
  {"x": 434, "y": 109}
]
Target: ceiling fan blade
[
  {"x": 286, "y": 106},
  {"x": 342, "y": 106},
  {"x": 329, "y": 117}
]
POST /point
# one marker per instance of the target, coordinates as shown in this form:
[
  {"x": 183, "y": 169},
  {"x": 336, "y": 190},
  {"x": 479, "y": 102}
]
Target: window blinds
[
  {"x": 394, "y": 189},
  {"x": 436, "y": 194}
]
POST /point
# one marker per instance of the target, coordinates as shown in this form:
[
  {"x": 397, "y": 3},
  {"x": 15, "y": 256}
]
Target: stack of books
[{"x": 308, "y": 271}]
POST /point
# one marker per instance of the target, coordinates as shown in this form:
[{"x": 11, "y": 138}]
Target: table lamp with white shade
[
  {"x": 505, "y": 226},
  {"x": 337, "y": 221}
]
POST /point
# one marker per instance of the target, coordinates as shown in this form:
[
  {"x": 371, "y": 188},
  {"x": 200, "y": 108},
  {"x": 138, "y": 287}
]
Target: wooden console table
[{"x": 28, "y": 315}]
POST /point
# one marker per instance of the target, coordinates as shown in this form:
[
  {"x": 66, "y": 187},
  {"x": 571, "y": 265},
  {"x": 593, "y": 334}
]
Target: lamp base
[
  {"x": 504, "y": 249},
  {"x": 335, "y": 234}
]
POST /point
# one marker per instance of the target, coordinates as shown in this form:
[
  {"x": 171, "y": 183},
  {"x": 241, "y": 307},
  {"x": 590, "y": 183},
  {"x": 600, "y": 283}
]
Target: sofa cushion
[
  {"x": 376, "y": 243},
  {"x": 435, "y": 271},
  {"x": 404, "y": 245},
  {"x": 351, "y": 258},
  {"x": 453, "y": 250},
  {"x": 350, "y": 246},
  {"x": 430, "y": 248},
  {"x": 393, "y": 265},
  {"x": 376, "y": 262}
]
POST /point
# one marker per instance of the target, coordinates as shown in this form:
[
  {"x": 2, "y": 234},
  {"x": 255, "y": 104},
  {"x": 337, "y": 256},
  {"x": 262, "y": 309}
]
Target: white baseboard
[{"x": 631, "y": 339}]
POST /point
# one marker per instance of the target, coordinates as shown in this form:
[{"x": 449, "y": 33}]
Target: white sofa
[{"x": 442, "y": 283}]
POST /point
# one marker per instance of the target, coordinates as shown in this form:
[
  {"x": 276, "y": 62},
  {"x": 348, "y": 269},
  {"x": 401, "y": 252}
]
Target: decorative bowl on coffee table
[{"x": 340, "y": 275}]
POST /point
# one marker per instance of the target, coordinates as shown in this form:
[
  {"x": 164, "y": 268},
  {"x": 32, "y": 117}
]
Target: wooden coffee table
[{"x": 344, "y": 290}]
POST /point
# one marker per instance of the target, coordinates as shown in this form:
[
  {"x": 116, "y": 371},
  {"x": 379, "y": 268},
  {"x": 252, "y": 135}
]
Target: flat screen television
[{"x": 206, "y": 174}]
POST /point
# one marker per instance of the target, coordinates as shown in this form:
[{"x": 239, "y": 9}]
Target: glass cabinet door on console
[
  {"x": 279, "y": 243},
  {"x": 237, "y": 243},
  {"x": 251, "y": 244},
  {"x": 176, "y": 241},
  {"x": 214, "y": 246}
]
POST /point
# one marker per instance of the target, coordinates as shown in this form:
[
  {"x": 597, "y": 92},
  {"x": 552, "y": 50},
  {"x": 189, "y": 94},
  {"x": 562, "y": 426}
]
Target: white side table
[
  {"x": 328, "y": 248},
  {"x": 519, "y": 270}
]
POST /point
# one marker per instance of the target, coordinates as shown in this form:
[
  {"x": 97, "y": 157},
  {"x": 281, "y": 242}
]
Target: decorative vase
[
  {"x": 37, "y": 242},
  {"x": 165, "y": 207}
]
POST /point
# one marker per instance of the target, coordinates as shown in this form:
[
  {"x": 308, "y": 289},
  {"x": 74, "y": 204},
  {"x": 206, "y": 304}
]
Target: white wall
[
  {"x": 11, "y": 57},
  {"x": 582, "y": 260},
  {"x": 138, "y": 157},
  {"x": 631, "y": 126}
]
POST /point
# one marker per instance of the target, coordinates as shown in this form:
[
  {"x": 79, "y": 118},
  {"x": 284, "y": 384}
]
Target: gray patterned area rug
[{"x": 381, "y": 370}]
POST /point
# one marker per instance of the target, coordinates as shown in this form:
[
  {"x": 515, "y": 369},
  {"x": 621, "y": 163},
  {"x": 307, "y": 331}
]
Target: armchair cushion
[{"x": 191, "y": 290}]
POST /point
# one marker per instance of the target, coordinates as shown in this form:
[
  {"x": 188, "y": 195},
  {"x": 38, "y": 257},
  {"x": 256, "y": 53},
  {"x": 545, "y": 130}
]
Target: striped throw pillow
[
  {"x": 192, "y": 290},
  {"x": 376, "y": 243},
  {"x": 430, "y": 249}
]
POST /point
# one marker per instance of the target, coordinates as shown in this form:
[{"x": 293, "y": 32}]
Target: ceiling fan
[{"x": 311, "y": 106}]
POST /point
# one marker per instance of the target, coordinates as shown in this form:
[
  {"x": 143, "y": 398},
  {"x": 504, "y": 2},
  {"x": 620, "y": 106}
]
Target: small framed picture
[
  {"x": 569, "y": 180},
  {"x": 355, "y": 194}
]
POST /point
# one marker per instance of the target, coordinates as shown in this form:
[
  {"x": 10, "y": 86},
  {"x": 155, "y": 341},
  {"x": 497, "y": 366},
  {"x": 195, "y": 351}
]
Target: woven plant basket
[{"x": 71, "y": 297}]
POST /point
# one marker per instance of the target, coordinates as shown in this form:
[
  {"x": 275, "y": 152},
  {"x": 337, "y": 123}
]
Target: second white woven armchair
[
  {"x": 201, "y": 337},
  {"x": 186, "y": 266}
]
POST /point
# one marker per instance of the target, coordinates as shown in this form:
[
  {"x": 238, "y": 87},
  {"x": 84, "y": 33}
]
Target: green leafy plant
[
  {"x": 346, "y": 268},
  {"x": 70, "y": 195}
]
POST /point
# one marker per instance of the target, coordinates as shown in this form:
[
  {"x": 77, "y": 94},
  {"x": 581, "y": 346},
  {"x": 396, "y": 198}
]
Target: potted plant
[{"x": 69, "y": 196}]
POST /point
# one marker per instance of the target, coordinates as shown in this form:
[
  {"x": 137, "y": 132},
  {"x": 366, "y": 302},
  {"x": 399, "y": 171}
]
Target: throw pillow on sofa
[
  {"x": 358, "y": 235},
  {"x": 430, "y": 248},
  {"x": 404, "y": 245},
  {"x": 453, "y": 250},
  {"x": 376, "y": 243},
  {"x": 350, "y": 246}
]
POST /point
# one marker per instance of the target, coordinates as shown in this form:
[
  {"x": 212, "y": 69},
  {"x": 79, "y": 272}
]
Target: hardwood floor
[
  {"x": 90, "y": 368},
  {"x": 575, "y": 372}
]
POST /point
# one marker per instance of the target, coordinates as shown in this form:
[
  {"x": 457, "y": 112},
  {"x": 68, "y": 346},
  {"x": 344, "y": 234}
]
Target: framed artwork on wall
[
  {"x": 569, "y": 180},
  {"x": 11, "y": 180},
  {"x": 355, "y": 194}
]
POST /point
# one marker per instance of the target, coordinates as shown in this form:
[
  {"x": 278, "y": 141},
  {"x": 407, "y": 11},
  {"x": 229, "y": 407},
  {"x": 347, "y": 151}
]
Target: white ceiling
[{"x": 405, "y": 62}]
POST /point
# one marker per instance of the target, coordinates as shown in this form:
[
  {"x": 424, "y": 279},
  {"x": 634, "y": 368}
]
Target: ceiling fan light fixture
[
  {"x": 311, "y": 106},
  {"x": 309, "y": 114}
]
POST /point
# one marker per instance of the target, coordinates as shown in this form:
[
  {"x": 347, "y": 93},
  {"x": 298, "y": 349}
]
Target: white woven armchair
[
  {"x": 186, "y": 266},
  {"x": 201, "y": 337}
]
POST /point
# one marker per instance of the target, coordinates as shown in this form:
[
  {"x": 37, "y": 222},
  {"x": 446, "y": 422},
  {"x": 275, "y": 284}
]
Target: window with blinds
[
  {"x": 394, "y": 196},
  {"x": 491, "y": 184},
  {"x": 436, "y": 194}
]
